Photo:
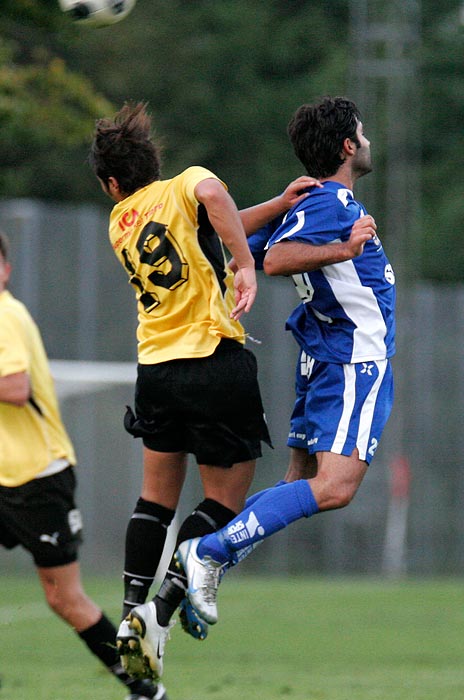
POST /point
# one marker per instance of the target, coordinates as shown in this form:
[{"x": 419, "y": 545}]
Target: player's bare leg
[
  {"x": 227, "y": 488},
  {"x": 66, "y": 597},
  {"x": 141, "y": 639},
  {"x": 337, "y": 480},
  {"x": 301, "y": 465},
  {"x": 163, "y": 477}
]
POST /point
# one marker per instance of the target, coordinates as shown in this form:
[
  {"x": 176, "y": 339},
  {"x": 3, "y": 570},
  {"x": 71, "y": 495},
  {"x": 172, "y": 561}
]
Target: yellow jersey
[
  {"x": 32, "y": 436},
  {"x": 176, "y": 262}
]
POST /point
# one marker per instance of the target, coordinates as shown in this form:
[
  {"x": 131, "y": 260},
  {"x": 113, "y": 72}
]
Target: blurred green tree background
[{"x": 222, "y": 80}]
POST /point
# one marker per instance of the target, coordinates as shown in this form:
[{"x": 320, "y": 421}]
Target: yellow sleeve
[{"x": 195, "y": 174}]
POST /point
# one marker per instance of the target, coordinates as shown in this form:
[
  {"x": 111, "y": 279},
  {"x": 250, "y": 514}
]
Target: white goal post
[{"x": 74, "y": 378}]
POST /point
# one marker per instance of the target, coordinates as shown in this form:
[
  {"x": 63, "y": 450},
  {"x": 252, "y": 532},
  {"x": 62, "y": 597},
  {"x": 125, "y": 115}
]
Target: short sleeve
[{"x": 193, "y": 176}]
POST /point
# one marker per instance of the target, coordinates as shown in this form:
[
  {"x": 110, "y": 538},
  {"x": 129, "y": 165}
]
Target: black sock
[
  {"x": 145, "y": 539},
  {"x": 207, "y": 517},
  {"x": 100, "y": 639},
  {"x": 137, "y": 686}
]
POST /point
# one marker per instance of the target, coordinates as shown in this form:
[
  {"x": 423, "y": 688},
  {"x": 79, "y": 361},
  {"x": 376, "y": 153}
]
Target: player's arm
[
  {"x": 295, "y": 257},
  {"x": 225, "y": 219},
  {"x": 254, "y": 218},
  {"x": 15, "y": 388}
]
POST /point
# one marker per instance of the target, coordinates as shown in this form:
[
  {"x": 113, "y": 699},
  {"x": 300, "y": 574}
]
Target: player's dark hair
[
  {"x": 317, "y": 133},
  {"x": 123, "y": 148},
  {"x": 4, "y": 246}
]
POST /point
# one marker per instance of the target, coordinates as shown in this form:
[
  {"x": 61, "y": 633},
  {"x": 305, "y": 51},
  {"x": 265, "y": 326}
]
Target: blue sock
[
  {"x": 254, "y": 496},
  {"x": 242, "y": 553},
  {"x": 274, "y": 510}
]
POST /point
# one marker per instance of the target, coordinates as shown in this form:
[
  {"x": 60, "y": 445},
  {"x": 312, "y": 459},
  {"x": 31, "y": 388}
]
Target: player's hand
[
  {"x": 293, "y": 193},
  {"x": 245, "y": 291},
  {"x": 363, "y": 230}
]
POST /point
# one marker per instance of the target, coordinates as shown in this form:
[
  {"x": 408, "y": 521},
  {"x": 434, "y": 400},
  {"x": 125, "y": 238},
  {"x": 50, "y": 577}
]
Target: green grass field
[{"x": 277, "y": 639}]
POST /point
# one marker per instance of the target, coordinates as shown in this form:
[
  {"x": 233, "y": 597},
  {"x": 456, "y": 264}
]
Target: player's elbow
[
  {"x": 23, "y": 390},
  {"x": 343, "y": 498},
  {"x": 20, "y": 397},
  {"x": 271, "y": 266}
]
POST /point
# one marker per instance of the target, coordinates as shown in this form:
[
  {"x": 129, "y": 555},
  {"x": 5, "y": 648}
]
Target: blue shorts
[{"x": 340, "y": 407}]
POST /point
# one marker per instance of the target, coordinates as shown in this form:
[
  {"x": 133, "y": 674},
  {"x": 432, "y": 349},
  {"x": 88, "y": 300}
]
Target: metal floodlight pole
[{"x": 384, "y": 81}]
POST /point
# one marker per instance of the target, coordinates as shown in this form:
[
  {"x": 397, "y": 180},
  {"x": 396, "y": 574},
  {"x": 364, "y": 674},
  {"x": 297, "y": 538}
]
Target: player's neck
[
  {"x": 344, "y": 176},
  {"x": 342, "y": 179}
]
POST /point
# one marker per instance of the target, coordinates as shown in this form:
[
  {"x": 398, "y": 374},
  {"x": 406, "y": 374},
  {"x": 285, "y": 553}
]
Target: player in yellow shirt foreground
[
  {"x": 37, "y": 483},
  {"x": 197, "y": 390}
]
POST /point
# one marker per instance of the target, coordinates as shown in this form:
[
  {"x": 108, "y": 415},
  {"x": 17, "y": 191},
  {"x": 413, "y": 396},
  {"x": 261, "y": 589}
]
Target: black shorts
[
  {"x": 210, "y": 407},
  {"x": 42, "y": 517}
]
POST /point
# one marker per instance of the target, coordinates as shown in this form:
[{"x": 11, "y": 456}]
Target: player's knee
[
  {"x": 344, "y": 497},
  {"x": 55, "y": 600},
  {"x": 61, "y": 601},
  {"x": 346, "y": 492},
  {"x": 339, "y": 496}
]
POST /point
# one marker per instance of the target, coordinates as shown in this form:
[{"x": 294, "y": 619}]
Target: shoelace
[{"x": 211, "y": 582}]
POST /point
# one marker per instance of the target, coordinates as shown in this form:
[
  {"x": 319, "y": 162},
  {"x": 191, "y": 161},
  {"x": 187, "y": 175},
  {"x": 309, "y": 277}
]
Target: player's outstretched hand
[
  {"x": 245, "y": 291},
  {"x": 293, "y": 193},
  {"x": 363, "y": 230}
]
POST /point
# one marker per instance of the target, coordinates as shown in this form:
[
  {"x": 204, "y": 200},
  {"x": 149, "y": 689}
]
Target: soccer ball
[{"x": 97, "y": 13}]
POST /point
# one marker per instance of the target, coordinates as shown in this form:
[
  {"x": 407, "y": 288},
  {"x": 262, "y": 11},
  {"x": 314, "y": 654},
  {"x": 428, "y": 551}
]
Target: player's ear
[
  {"x": 113, "y": 184},
  {"x": 5, "y": 270},
  {"x": 348, "y": 149},
  {"x": 111, "y": 188}
]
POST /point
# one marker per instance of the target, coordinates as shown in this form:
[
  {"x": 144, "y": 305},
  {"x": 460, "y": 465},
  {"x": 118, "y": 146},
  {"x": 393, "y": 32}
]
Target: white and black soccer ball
[{"x": 97, "y": 13}]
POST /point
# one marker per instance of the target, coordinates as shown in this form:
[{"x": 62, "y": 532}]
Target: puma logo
[{"x": 52, "y": 539}]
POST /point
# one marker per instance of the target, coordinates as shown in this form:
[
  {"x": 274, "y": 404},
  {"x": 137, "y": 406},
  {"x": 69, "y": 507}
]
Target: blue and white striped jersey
[{"x": 347, "y": 310}]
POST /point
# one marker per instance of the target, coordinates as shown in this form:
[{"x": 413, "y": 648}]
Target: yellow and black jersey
[
  {"x": 176, "y": 263},
  {"x": 32, "y": 437}
]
